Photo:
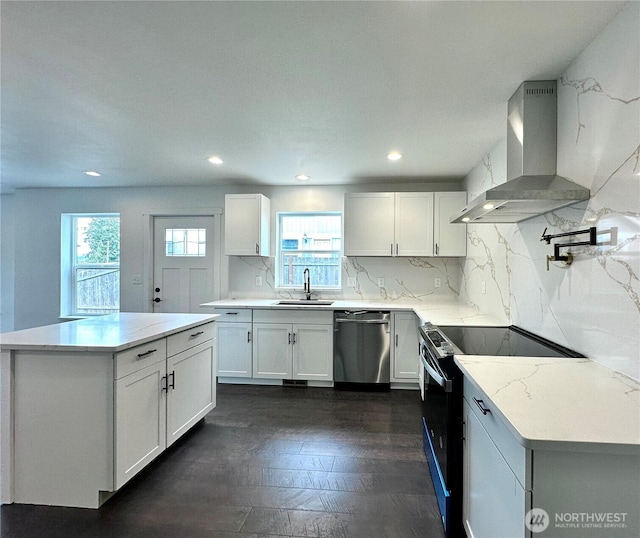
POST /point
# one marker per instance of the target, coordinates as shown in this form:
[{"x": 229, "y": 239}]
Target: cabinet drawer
[
  {"x": 233, "y": 314},
  {"x": 516, "y": 456},
  {"x": 176, "y": 343},
  {"x": 136, "y": 358}
]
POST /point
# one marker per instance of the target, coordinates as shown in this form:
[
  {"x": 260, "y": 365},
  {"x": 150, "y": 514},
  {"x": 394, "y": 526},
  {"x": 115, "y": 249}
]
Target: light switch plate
[
  {"x": 351, "y": 282},
  {"x": 438, "y": 282}
]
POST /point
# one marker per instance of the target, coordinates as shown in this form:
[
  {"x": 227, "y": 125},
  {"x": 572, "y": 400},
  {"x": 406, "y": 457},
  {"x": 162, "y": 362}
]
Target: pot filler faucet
[{"x": 307, "y": 283}]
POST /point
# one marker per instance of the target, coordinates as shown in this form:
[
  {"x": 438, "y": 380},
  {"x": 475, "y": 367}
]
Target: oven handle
[{"x": 437, "y": 376}]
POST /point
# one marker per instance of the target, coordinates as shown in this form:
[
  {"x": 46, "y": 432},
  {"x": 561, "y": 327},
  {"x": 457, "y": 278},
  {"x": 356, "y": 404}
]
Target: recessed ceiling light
[
  {"x": 394, "y": 156},
  {"x": 214, "y": 159},
  {"x": 92, "y": 173},
  {"x": 465, "y": 219},
  {"x": 488, "y": 205},
  {"x": 303, "y": 177}
]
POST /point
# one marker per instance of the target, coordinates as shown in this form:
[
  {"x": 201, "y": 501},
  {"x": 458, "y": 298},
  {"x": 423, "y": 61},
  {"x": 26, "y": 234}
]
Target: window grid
[{"x": 309, "y": 241}]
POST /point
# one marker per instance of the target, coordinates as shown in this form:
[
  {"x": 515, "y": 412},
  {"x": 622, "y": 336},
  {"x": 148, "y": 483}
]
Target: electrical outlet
[
  {"x": 380, "y": 282},
  {"x": 137, "y": 279},
  {"x": 258, "y": 281},
  {"x": 437, "y": 282},
  {"x": 351, "y": 282}
]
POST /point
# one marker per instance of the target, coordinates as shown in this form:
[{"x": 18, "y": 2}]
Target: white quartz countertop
[
  {"x": 110, "y": 333},
  {"x": 560, "y": 404},
  {"x": 436, "y": 311}
]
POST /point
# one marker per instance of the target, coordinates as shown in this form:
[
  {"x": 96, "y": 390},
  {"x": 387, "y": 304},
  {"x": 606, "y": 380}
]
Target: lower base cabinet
[
  {"x": 405, "y": 359},
  {"x": 89, "y": 422},
  {"x": 570, "y": 492},
  {"x": 293, "y": 345}
]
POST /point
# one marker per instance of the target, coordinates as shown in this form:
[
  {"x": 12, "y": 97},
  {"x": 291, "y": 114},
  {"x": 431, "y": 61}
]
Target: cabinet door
[
  {"x": 313, "y": 352},
  {"x": 494, "y": 501},
  {"x": 449, "y": 239},
  {"x": 369, "y": 224},
  {"x": 234, "y": 349},
  {"x": 191, "y": 381},
  {"x": 413, "y": 224},
  {"x": 246, "y": 225},
  {"x": 140, "y": 407},
  {"x": 405, "y": 346},
  {"x": 272, "y": 350}
]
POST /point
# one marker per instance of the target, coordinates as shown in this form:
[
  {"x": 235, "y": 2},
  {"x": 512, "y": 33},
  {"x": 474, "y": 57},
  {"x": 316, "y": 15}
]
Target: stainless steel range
[{"x": 441, "y": 390}]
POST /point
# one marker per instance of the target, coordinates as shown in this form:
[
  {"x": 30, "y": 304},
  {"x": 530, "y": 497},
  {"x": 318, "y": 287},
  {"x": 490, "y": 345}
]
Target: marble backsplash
[
  {"x": 593, "y": 305},
  {"x": 404, "y": 278}
]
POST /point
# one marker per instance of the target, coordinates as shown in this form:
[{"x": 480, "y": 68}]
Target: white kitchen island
[{"x": 89, "y": 403}]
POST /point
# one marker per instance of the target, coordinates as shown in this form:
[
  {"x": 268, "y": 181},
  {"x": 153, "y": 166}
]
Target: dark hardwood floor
[{"x": 271, "y": 461}]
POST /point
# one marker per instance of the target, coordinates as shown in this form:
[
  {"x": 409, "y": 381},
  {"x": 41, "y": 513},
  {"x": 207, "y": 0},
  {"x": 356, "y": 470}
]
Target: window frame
[
  {"x": 69, "y": 265},
  {"x": 279, "y": 261}
]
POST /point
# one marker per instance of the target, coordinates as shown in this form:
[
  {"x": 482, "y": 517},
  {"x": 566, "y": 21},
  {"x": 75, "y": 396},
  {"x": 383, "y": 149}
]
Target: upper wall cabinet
[
  {"x": 388, "y": 224},
  {"x": 398, "y": 224},
  {"x": 449, "y": 239},
  {"x": 246, "y": 224}
]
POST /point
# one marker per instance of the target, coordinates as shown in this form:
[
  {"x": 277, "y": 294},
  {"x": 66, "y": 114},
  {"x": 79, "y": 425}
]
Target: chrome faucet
[{"x": 307, "y": 283}]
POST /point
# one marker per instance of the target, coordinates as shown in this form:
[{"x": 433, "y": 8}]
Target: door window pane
[{"x": 185, "y": 241}]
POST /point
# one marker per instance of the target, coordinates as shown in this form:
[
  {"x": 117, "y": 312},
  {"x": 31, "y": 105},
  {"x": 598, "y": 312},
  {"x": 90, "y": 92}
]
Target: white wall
[
  {"x": 35, "y": 217},
  {"x": 594, "y": 305}
]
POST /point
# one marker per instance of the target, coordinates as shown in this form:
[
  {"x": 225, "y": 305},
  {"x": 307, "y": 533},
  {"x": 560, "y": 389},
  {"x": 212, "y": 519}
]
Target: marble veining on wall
[
  {"x": 404, "y": 278},
  {"x": 592, "y": 305}
]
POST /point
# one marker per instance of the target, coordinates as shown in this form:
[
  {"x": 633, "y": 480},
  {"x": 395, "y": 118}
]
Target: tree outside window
[{"x": 90, "y": 264}]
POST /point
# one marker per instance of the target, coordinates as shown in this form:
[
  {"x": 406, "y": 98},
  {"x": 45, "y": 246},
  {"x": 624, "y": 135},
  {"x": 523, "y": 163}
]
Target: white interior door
[{"x": 183, "y": 263}]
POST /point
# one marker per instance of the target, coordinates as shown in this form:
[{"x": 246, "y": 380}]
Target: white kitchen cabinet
[
  {"x": 247, "y": 220},
  {"x": 161, "y": 390},
  {"x": 405, "y": 358},
  {"x": 413, "y": 224},
  {"x": 234, "y": 343},
  {"x": 369, "y": 224},
  {"x": 449, "y": 240},
  {"x": 403, "y": 224},
  {"x": 289, "y": 344},
  {"x": 494, "y": 503},
  {"x": 272, "y": 344},
  {"x": 503, "y": 480},
  {"x": 91, "y": 401},
  {"x": 141, "y": 420}
]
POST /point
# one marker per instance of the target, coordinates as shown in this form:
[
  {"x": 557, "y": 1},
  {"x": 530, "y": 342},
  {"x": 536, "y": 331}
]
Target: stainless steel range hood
[{"x": 532, "y": 186}]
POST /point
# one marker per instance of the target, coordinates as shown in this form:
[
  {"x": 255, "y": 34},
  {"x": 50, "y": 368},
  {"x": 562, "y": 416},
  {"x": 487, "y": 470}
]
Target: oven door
[{"x": 441, "y": 420}]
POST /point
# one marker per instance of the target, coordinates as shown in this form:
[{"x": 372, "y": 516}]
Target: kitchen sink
[{"x": 305, "y": 302}]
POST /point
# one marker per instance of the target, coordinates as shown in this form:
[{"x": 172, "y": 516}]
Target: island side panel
[
  {"x": 6, "y": 427},
  {"x": 63, "y": 416}
]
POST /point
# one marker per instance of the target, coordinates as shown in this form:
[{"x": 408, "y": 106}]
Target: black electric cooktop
[{"x": 503, "y": 341}]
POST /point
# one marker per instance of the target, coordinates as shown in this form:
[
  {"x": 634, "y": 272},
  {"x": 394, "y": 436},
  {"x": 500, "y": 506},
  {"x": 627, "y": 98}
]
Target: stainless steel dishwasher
[{"x": 361, "y": 350}]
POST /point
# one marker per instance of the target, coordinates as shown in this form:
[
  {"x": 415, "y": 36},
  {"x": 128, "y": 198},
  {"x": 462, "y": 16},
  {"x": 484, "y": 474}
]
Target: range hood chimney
[{"x": 532, "y": 186}]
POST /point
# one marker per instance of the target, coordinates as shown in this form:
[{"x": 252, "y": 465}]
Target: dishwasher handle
[{"x": 364, "y": 321}]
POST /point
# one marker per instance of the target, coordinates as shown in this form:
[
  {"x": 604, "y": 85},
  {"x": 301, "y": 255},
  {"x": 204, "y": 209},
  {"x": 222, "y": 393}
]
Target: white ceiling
[{"x": 143, "y": 92}]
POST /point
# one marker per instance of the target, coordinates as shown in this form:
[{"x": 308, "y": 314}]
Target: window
[
  {"x": 185, "y": 241},
  {"x": 309, "y": 241},
  {"x": 90, "y": 264}
]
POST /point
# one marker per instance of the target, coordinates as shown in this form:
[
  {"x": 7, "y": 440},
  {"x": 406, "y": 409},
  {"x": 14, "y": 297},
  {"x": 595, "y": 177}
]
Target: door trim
[{"x": 148, "y": 247}]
